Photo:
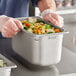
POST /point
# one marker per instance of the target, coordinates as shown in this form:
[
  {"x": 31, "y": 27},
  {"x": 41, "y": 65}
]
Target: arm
[{"x": 47, "y": 4}]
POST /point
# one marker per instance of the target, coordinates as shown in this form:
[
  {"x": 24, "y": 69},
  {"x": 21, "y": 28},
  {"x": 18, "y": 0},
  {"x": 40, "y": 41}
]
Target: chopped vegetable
[
  {"x": 26, "y": 28},
  {"x": 2, "y": 63},
  {"x": 23, "y": 21},
  {"x": 27, "y": 24},
  {"x": 38, "y": 27},
  {"x": 30, "y": 30},
  {"x": 47, "y": 26},
  {"x": 57, "y": 30}
]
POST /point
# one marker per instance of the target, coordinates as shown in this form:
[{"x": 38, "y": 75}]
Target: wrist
[
  {"x": 2, "y": 21},
  {"x": 46, "y": 4},
  {"x": 47, "y": 11}
]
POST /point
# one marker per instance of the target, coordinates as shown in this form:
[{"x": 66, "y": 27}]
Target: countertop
[
  {"x": 67, "y": 64},
  {"x": 66, "y": 67}
]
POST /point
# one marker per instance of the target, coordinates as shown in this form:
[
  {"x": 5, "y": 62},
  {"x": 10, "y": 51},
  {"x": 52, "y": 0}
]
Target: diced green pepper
[
  {"x": 51, "y": 32},
  {"x": 26, "y": 28},
  {"x": 48, "y": 26},
  {"x": 30, "y": 30}
]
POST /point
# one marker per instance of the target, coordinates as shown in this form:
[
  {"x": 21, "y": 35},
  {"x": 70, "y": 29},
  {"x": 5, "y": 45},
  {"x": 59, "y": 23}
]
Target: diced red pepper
[
  {"x": 27, "y": 24},
  {"x": 37, "y": 31}
]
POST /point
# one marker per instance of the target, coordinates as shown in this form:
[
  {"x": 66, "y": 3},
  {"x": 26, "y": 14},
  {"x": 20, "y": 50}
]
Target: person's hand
[
  {"x": 51, "y": 16},
  {"x": 54, "y": 19},
  {"x": 9, "y": 26}
]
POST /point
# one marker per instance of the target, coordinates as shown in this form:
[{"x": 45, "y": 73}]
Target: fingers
[
  {"x": 8, "y": 33},
  {"x": 18, "y": 23},
  {"x": 11, "y": 28},
  {"x": 51, "y": 19},
  {"x": 55, "y": 16},
  {"x": 61, "y": 21},
  {"x": 54, "y": 19}
]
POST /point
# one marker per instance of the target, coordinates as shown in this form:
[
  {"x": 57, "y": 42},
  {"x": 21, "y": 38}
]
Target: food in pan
[
  {"x": 2, "y": 63},
  {"x": 38, "y": 27}
]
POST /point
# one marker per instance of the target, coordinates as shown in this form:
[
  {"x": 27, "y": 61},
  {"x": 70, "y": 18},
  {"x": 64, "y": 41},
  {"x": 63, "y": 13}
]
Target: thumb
[{"x": 61, "y": 21}]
